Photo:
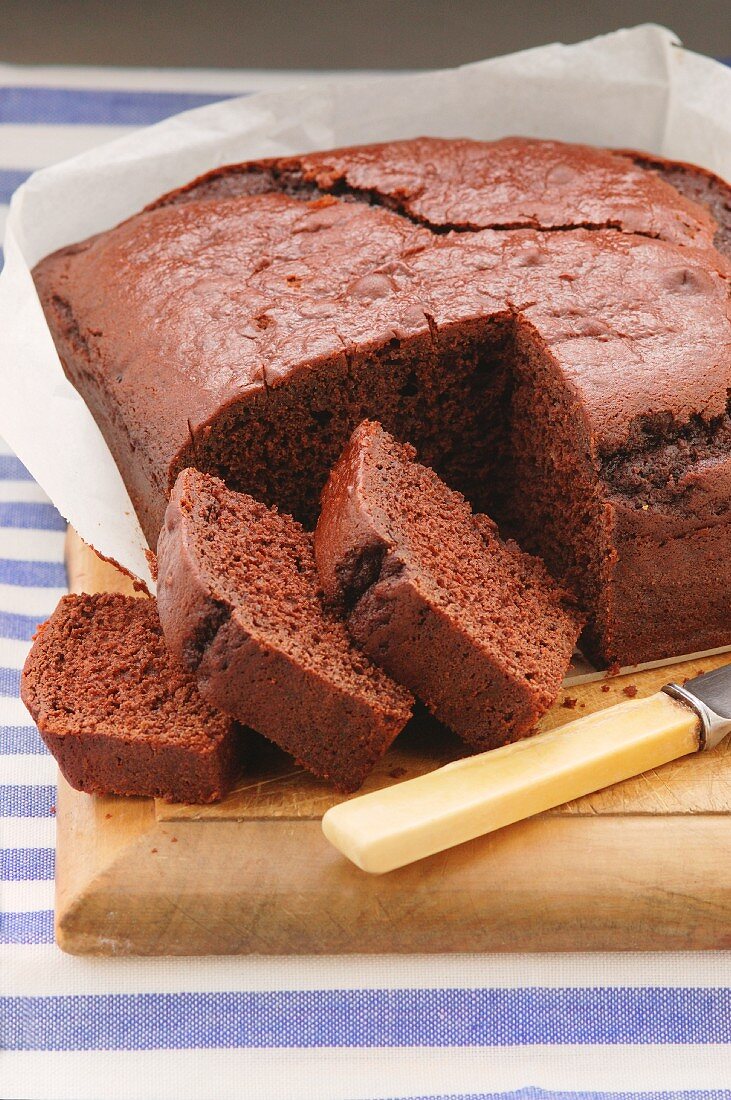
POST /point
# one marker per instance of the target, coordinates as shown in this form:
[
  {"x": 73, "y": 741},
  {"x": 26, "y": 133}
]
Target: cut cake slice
[
  {"x": 241, "y": 607},
  {"x": 117, "y": 712},
  {"x": 471, "y": 624}
]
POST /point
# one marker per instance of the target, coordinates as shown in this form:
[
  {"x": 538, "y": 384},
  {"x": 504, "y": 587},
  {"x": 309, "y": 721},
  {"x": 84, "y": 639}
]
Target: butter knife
[{"x": 398, "y": 825}]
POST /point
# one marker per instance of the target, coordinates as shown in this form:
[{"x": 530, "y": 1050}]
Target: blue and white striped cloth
[{"x": 526, "y": 1027}]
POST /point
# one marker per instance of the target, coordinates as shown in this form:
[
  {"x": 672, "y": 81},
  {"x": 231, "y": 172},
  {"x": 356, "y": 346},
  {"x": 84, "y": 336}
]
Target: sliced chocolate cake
[
  {"x": 548, "y": 323},
  {"x": 120, "y": 716},
  {"x": 472, "y": 625},
  {"x": 241, "y": 607}
]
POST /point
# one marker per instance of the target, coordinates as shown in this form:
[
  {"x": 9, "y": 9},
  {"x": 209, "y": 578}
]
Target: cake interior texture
[
  {"x": 241, "y": 605},
  {"x": 474, "y": 626},
  {"x": 547, "y": 323},
  {"x": 120, "y": 716},
  {"x": 450, "y": 393}
]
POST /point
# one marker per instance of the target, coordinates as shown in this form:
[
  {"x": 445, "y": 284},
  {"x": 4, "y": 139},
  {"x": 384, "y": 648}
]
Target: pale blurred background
[{"x": 329, "y": 34}]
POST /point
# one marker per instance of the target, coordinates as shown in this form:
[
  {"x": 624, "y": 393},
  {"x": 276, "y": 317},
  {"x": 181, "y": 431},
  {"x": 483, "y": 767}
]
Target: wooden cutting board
[{"x": 645, "y": 865}]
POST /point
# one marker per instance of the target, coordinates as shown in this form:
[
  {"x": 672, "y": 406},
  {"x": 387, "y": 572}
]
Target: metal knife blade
[{"x": 710, "y": 697}]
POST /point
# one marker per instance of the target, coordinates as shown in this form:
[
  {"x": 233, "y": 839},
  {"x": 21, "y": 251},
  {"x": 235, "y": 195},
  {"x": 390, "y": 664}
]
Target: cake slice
[
  {"x": 241, "y": 607},
  {"x": 115, "y": 710},
  {"x": 471, "y": 624}
]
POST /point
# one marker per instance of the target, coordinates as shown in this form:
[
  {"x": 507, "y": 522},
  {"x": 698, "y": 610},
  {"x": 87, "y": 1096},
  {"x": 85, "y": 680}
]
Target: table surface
[{"x": 281, "y": 1028}]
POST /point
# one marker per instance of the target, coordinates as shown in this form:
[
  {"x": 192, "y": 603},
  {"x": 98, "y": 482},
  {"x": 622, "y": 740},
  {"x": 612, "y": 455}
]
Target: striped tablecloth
[{"x": 279, "y": 1028}]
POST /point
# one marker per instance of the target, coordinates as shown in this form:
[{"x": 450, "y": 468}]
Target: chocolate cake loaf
[
  {"x": 115, "y": 710},
  {"x": 241, "y": 607},
  {"x": 547, "y": 323},
  {"x": 473, "y": 626}
]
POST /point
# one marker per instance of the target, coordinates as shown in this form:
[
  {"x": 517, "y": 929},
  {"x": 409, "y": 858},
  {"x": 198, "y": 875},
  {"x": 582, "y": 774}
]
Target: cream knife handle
[{"x": 406, "y": 822}]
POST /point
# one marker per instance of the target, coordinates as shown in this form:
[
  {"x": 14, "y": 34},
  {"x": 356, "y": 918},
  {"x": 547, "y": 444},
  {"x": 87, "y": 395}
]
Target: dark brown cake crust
[
  {"x": 449, "y": 184},
  {"x": 548, "y": 323},
  {"x": 476, "y": 628},
  {"x": 117, "y": 713},
  {"x": 241, "y": 608},
  {"x": 698, "y": 185}
]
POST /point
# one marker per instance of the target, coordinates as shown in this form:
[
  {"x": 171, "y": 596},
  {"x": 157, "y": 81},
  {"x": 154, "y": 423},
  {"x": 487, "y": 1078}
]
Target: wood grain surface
[{"x": 642, "y": 865}]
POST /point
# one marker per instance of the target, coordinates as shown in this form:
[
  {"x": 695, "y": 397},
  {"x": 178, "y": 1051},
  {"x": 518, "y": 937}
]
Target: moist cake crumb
[
  {"x": 117, "y": 712},
  {"x": 241, "y": 607},
  {"x": 477, "y": 629}
]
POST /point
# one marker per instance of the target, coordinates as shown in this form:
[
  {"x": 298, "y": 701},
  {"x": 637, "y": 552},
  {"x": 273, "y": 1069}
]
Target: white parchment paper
[{"x": 636, "y": 88}]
